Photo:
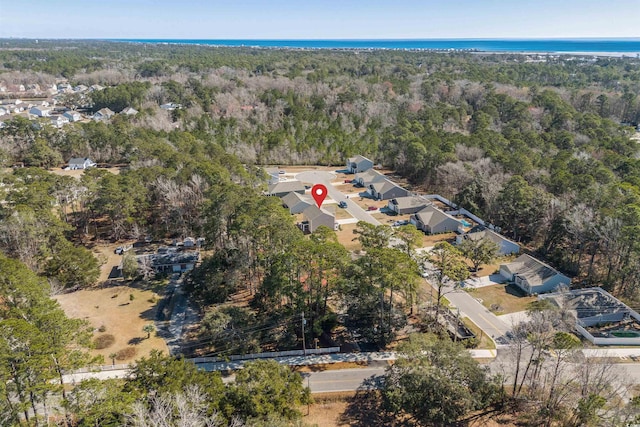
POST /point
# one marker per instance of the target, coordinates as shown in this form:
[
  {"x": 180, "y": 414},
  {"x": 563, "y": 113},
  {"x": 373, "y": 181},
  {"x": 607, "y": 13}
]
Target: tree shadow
[
  {"x": 366, "y": 408},
  {"x": 135, "y": 341}
]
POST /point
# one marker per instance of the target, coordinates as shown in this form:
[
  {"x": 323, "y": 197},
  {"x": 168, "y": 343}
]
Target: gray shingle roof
[{"x": 536, "y": 272}]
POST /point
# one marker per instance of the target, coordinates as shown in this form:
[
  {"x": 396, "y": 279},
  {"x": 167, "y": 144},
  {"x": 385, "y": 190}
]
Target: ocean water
[{"x": 626, "y": 46}]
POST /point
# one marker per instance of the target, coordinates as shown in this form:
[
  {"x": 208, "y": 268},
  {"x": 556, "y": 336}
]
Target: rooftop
[{"x": 536, "y": 272}]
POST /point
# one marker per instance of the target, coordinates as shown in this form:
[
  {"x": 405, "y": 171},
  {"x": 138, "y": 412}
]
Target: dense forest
[{"x": 541, "y": 146}]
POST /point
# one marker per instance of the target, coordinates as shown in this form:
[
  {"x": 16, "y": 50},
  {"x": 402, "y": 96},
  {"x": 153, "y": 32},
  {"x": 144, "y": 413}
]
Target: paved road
[
  {"x": 344, "y": 379},
  {"x": 323, "y": 177}
]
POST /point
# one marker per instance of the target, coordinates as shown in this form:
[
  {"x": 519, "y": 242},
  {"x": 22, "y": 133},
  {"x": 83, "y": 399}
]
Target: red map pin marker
[{"x": 319, "y": 193}]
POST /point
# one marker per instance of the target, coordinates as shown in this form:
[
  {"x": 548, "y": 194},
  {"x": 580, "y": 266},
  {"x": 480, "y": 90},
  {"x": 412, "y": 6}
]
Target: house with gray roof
[
  {"x": 364, "y": 179},
  {"x": 80, "y": 163},
  {"x": 314, "y": 217},
  {"x": 600, "y": 317},
  {"x": 385, "y": 190},
  {"x": 103, "y": 114},
  {"x": 505, "y": 246},
  {"x": 282, "y": 188},
  {"x": 358, "y": 164},
  {"x": 533, "y": 276},
  {"x": 432, "y": 220},
  {"x": 408, "y": 204},
  {"x": 73, "y": 116},
  {"x": 296, "y": 202}
]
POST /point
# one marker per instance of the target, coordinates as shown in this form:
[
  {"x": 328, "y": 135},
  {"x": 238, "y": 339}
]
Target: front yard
[{"x": 501, "y": 299}]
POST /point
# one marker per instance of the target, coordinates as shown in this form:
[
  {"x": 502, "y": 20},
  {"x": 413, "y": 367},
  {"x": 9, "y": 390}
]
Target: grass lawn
[
  {"x": 121, "y": 316},
  {"x": 484, "y": 342},
  {"x": 502, "y": 299},
  {"x": 342, "y": 214}
]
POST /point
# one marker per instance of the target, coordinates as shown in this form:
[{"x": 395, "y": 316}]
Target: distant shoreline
[{"x": 583, "y": 47}]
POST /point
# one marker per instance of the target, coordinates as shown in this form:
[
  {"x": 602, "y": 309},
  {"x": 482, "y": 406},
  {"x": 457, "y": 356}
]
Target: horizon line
[{"x": 336, "y": 39}]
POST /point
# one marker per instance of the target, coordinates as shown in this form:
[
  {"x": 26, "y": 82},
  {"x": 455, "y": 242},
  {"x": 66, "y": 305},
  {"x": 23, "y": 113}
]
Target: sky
[{"x": 319, "y": 19}]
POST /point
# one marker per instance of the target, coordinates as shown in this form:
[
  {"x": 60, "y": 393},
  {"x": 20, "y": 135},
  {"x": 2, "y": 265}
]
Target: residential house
[
  {"x": 40, "y": 111},
  {"x": 129, "y": 111},
  {"x": 189, "y": 242},
  {"x": 73, "y": 116},
  {"x": 433, "y": 221},
  {"x": 65, "y": 88},
  {"x": 505, "y": 246},
  {"x": 533, "y": 276},
  {"x": 170, "y": 260},
  {"x": 170, "y": 106},
  {"x": 408, "y": 204},
  {"x": 314, "y": 217},
  {"x": 96, "y": 87},
  {"x": 4, "y": 111},
  {"x": 385, "y": 190},
  {"x": 364, "y": 179},
  {"x": 600, "y": 317},
  {"x": 81, "y": 163},
  {"x": 296, "y": 202},
  {"x": 59, "y": 121},
  {"x": 103, "y": 114},
  {"x": 358, "y": 164},
  {"x": 80, "y": 89},
  {"x": 282, "y": 188}
]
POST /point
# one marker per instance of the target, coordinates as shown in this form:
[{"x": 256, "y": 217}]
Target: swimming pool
[{"x": 465, "y": 223}]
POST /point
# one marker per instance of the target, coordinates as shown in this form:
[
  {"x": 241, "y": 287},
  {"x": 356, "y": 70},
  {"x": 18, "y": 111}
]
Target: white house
[
  {"x": 40, "y": 111},
  {"x": 81, "y": 163},
  {"x": 59, "y": 121},
  {"x": 358, "y": 164},
  {"x": 103, "y": 114},
  {"x": 73, "y": 116},
  {"x": 129, "y": 111},
  {"x": 3, "y": 111},
  {"x": 533, "y": 276}
]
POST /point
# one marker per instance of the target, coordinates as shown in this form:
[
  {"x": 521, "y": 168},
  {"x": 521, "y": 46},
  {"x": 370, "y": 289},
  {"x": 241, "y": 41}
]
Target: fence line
[{"x": 198, "y": 360}]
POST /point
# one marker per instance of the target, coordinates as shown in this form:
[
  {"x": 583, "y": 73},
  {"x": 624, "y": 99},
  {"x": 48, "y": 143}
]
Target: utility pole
[{"x": 304, "y": 344}]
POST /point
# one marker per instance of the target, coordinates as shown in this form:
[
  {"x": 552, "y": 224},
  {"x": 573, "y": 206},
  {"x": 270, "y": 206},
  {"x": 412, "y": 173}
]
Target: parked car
[
  {"x": 348, "y": 181},
  {"x": 372, "y": 208},
  {"x": 342, "y": 204},
  {"x": 281, "y": 172}
]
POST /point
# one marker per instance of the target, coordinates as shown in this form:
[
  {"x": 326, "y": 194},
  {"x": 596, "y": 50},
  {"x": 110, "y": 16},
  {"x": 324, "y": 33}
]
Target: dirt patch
[
  {"x": 432, "y": 239},
  {"x": 502, "y": 299},
  {"x": 327, "y": 411},
  {"x": 346, "y": 236},
  {"x": 120, "y": 315},
  {"x": 77, "y": 173}
]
